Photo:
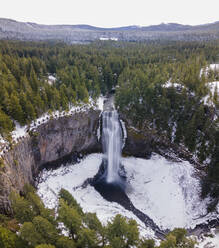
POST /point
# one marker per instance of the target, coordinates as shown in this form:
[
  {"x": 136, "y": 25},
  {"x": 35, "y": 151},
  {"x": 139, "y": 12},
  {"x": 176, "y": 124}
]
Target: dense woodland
[
  {"x": 35, "y": 226},
  {"x": 139, "y": 72}
]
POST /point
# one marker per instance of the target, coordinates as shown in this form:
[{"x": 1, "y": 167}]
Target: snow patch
[
  {"x": 169, "y": 84},
  {"x": 19, "y": 131},
  {"x": 211, "y": 241},
  {"x": 51, "y": 79},
  {"x": 212, "y": 86},
  {"x": 109, "y": 38},
  {"x": 100, "y": 102},
  {"x": 213, "y": 67},
  {"x": 124, "y": 132}
]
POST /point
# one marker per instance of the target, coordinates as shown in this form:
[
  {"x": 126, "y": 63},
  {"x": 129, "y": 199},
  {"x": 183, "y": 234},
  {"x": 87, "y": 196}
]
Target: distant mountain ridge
[{"x": 11, "y": 29}]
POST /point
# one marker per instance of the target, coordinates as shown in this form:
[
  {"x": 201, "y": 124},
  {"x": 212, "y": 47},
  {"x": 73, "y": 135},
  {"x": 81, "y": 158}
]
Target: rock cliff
[
  {"x": 141, "y": 142},
  {"x": 50, "y": 142}
]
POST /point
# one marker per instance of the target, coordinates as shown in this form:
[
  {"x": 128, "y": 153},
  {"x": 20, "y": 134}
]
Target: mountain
[{"x": 11, "y": 29}]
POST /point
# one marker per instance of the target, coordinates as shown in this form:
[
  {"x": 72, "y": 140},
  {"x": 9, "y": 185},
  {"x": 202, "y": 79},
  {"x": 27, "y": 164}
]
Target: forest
[
  {"x": 159, "y": 85},
  {"x": 35, "y": 226}
]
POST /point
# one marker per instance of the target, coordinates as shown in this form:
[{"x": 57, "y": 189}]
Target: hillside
[{"x": 11, "y": 29}]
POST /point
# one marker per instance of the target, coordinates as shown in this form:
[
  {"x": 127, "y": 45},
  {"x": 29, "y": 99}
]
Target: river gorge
[{"x": 157, "y": 184}]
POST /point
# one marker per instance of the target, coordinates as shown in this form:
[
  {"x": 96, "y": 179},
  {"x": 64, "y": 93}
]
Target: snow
[
  {"x": 100, "y": 102},
  {"x": 174, "y": 128},
  {"x": 71, "y": 178},
  {"x": 21, "y": 131},
  {"x": 108, "y": 38},
  {"x": 169, "y": 84},
  {"x": 214, "y": 67},
  {"x": 2, "y": 141},
  {"x": 51, "y": 79},
  {"x": 212, "y": 241},
  {"x": 3, "y": 144},
  {"x": 212, "y": 86},
  {"x": 124, "y": 132},
  {"x": 168, "y": 192}
]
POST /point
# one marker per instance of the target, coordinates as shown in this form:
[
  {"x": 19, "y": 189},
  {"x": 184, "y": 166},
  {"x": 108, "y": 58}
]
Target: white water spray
[{"x": 112, "y": 136}]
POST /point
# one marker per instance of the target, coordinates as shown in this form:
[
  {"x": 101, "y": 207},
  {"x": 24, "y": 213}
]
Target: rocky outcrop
[
  {"x": 141, "y": 142},
  {"x": 50, "y": 142},
  {"x": 138, "y": 143}
]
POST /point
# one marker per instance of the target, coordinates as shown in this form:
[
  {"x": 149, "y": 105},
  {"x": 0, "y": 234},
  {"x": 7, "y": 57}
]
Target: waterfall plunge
[{"x": 111, "y": 140}]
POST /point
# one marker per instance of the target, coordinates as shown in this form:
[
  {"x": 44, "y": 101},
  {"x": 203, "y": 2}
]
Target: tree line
[{"x": 35, "y": 226}]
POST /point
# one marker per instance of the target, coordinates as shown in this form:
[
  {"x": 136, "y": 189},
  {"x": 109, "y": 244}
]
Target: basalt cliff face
[
  {"x": 143, "y": 141},
  {"x": 50, "y": 142}
]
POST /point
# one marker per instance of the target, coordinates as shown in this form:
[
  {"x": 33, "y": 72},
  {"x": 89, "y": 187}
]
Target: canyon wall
[
  {"x": 48, "y": 143},
  {"x": 143, "y": 141}
]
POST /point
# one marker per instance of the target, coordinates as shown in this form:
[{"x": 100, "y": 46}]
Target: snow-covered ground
[
  {"x": 211, "y": 241},
  {"x": 19, "y": 131},
  {"x": 100, "y": 102},
  {"x": 72, "y": 178},
  {"x": 213, "y": 67},
  {"x": 212, "y": 86},
  {"x": 168, "y": 192},
  {"x": 51, "y": 79}
]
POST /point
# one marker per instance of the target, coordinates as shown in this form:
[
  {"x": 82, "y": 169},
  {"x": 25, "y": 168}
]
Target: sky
[{"x": 111, "y": 13}]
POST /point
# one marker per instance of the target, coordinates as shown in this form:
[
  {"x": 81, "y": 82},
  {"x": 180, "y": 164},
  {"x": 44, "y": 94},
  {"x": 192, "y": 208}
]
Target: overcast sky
[{"x": 111, "y": 13}]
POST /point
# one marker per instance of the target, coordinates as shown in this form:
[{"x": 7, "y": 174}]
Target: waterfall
[{"x": 112, "y": 145}]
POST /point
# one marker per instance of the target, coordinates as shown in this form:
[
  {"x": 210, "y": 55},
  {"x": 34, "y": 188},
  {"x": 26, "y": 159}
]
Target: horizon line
[{"x": 108, "y": 27}]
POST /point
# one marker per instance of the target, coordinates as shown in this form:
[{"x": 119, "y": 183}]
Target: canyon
[{"x": 67, "y": 138}]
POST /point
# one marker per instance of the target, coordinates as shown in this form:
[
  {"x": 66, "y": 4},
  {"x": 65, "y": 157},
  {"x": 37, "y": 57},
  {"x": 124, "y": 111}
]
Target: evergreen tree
[{"x": 71, "y": 219}]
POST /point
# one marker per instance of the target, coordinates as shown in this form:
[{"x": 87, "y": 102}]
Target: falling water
[{"x": 112, "y": 136}]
